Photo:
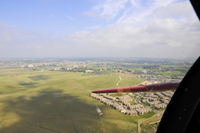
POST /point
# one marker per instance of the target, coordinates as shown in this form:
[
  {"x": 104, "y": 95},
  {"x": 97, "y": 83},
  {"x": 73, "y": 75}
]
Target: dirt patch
[
  {"x": 39, "y": 77},
  {"x": 28, "y": 84}
]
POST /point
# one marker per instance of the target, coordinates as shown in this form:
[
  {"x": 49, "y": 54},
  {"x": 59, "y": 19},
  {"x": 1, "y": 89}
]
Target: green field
[{"x": 59, "y": 102}]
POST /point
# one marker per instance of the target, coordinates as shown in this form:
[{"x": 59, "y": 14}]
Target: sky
[{"x": 98, "y": 28}]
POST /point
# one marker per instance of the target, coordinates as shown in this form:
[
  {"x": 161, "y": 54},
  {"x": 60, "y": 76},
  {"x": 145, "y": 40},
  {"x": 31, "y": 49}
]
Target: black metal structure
[
  {"x": 196, "y": 6},
  {"x": 182, "y": 114}
]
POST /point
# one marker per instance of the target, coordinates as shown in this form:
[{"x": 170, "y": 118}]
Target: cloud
[
  {"x": 107, "y": 8},
  {"x": 164, "y": 38},
  {"x": 159, "y": 29},
  {"x": 166, "y": 29}
]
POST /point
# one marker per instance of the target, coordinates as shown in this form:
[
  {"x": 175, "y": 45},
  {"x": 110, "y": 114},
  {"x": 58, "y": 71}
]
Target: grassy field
[{"x": 59, "y": 102}]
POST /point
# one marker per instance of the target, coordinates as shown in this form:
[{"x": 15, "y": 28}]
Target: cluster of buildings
[
  {"x": 54, "y": 66},
  {"x": 136, "y": 103}
]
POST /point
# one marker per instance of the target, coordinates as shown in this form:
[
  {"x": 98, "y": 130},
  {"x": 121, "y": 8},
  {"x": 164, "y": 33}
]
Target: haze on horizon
[{"x": 98, "y": 28}]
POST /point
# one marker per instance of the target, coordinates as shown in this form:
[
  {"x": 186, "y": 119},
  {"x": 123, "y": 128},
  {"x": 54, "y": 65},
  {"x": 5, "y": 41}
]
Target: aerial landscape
[
  {"x": 54, "y": 95},
  {"x": 56, "y": 54}
]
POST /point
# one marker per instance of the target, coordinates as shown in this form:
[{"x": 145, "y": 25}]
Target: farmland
[
  {"x": 58, "y": 102},
  {"x": 54, "y": 97}
]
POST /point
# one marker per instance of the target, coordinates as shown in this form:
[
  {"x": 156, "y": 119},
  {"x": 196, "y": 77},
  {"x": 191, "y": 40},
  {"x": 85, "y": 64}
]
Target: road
[
  {"x": 118, "y": 81},
  {"x": 152, "y": 120}
]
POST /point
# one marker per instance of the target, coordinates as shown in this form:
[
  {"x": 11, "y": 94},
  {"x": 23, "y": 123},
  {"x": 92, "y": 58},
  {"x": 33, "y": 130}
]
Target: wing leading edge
[{"x": 142, "y": 88}]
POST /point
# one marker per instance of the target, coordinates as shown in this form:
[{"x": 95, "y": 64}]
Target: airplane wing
[{"x": 142, "y": 88}]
